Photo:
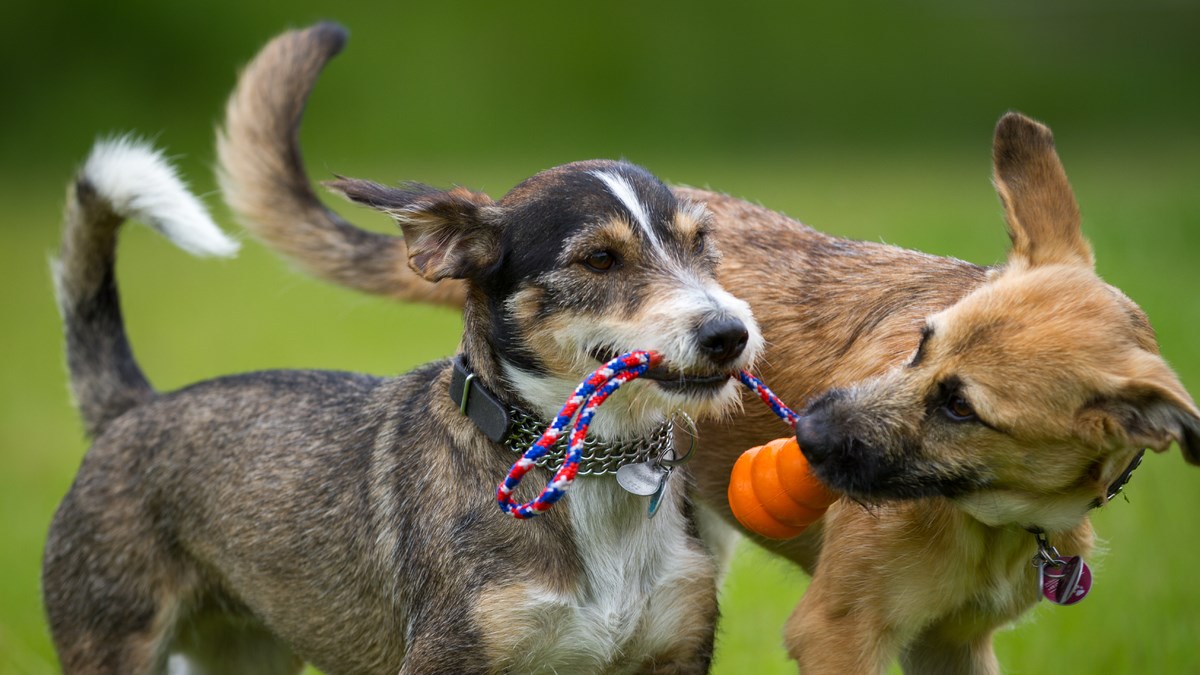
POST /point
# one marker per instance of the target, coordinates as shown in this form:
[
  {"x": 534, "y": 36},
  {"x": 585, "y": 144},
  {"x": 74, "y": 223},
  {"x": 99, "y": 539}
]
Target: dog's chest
[
  {"x": 1008, "y": 584},
  {"x": 637, "y": 599}
]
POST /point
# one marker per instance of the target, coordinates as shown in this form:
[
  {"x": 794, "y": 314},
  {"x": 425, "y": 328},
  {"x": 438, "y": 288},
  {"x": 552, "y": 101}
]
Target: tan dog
[{"x": 967, "y": 406}]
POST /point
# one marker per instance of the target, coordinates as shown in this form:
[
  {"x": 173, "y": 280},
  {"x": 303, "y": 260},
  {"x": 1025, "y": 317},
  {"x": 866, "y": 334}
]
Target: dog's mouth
[{"x": 684, "y": 382}]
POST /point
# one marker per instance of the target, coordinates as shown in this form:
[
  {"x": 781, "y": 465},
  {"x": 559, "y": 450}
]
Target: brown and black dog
[
  {"x": 249, "y": 523},
  {"x": 967, "y": 406}
]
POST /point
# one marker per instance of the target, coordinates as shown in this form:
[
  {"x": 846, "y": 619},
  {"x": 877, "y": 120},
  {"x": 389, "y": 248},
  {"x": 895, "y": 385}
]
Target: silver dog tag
[
  {"x": 649, "y": 479},
  {"x": 656, "y": 498},
  {"x": 643, "y": 479}
]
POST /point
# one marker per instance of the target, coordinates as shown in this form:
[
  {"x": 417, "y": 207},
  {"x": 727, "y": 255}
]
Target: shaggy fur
[
  {"x": 251, "y": 523},
  {"x": 965, "y": 404}
]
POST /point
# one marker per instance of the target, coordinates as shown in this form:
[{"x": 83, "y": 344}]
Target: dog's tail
[
  {"x": 262, "y": 176},
  {"x": 121, "y": 179}
]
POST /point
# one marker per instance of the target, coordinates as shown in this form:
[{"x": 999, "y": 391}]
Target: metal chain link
[{"x": 600, "y": 458}]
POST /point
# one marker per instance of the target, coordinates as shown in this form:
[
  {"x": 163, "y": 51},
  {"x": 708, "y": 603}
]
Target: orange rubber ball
[{"x": 773, "y": 492}]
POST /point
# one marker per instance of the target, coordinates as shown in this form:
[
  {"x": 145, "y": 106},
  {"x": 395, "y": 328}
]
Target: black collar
[
  {"x": 477, "y": 403},
  {"x": 1122, "y": 480}
]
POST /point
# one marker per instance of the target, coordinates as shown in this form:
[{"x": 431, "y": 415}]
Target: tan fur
[
  {"x": 1043, "y": 218},
  {"x": 1064, "y": 367},
  {"x": 252, "y": 179}
]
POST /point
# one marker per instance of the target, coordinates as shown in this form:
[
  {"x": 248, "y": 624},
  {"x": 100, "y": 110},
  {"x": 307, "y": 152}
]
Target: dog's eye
[
  {"x": 698, "y": 245},
  {"x": 600, "y": 261},
  {"x": 959, "y": 409}
]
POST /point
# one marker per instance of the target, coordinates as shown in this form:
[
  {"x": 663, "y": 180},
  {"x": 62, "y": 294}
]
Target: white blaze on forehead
[{"x": 624, "y": 192}]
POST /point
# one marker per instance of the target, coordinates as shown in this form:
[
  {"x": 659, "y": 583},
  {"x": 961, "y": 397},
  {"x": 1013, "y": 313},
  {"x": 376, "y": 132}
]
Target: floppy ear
[
  {"x": 448, "y": 233},
  {"x": 1151, "y": 410},
  {"x": 1042, "y": 215}
]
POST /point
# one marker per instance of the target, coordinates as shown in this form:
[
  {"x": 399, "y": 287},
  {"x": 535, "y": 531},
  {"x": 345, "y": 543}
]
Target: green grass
[{"x": 191, "y": 319}]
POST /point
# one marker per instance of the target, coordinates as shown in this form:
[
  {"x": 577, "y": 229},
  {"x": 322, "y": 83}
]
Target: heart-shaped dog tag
[
  {"x": 642, "y": 479},
  {"x": 1065, "y": 581}
]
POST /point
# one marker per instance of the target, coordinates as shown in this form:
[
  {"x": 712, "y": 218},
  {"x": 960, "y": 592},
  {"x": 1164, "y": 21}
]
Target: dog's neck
[
  {"x": 476, "y": 349},
  {"x": 1018, "y": 541},
  {"x": 1010, "y": 547},
  {"x": 481, "y": 356},
  {"x": 502, "y": 402}
]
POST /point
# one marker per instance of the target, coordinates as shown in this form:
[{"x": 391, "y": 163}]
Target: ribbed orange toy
[{"x": 773, "y": 492}]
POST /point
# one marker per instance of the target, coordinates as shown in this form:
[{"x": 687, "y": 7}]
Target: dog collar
[
  {"x": 1122, "y": 480},
  {"x": 1114, "y": 489},
  {"x": 517, "y": 430},
  {"x": 1067, "y": 580}
]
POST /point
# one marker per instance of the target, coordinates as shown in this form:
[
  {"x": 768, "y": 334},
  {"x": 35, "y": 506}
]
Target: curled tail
[
  {"x": 122, "y": 179},
  {"x": 263, "y": 180}
]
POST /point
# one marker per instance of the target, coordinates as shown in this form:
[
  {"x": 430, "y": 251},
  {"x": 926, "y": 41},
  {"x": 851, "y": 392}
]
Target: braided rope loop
[
  {"x": 756, "y": 385},
  {"x": 586, "y": 398},
  {"x": 581, "y": 407}
]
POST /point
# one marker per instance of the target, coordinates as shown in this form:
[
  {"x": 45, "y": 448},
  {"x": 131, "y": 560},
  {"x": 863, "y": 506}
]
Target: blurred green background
[{"x": 870, "y": 119}]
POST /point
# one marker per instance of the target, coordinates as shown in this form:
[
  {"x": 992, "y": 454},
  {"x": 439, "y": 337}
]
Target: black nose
[
  {"x": 815, "y": 436},
  {"x": 723, "y": 340}
]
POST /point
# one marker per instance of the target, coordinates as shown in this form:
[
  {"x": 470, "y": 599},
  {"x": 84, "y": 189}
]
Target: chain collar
[
  {"x": 600, "y": 458},
  {"x": 517, "y": 430}
]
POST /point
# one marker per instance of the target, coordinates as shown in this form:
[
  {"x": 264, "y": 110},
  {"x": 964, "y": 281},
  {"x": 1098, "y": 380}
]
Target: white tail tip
[{"x": 140, "y": 184}]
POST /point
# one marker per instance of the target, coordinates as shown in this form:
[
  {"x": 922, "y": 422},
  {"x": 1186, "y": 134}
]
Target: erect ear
[
  {"x": 1042, "y": 215},
  {"x": 449, "y": 234},
  {"x": 1151, "y": 410}
]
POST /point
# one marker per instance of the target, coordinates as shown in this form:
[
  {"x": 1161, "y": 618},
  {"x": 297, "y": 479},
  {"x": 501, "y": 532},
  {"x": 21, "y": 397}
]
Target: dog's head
[
  {"x": 572, "y": 267},
  {"x": 1026, "y": 399}
]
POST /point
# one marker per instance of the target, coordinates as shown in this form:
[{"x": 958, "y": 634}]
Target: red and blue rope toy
[
  {"x": 785, "y": 413},
  {"x": 586, "y": 398}
]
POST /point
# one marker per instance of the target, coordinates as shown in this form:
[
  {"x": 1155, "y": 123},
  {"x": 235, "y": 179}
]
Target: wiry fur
[
  {"x": 1065, "y": 369},
  {"x": 122, "y": 178},
  {"x": 251, "y": 523}
]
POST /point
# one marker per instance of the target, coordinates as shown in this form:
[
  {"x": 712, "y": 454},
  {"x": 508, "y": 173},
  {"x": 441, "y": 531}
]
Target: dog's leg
[
  {"x": 934, "y": 652},
  {"x": 698, "y": 602},
  {"x": 871, "y": 591},
  {"x": 697, "y": 662},
  {"x": 110, "y": 602},
  {"x": 823, "y": 637},
  {"x": 676, "y": 669}
]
